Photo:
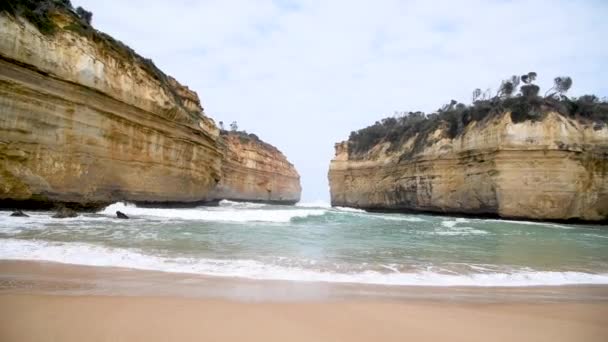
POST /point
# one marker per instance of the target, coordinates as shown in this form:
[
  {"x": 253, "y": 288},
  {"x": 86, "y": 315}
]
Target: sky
[{"x": 303, "y": 74}]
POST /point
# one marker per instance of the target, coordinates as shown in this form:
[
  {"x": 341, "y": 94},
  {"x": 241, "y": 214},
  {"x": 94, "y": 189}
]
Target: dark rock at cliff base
[
  {"x": 121, "y": 215},
  {"x": 65, "y": 213},
  {"x": 19, "y": 213}
]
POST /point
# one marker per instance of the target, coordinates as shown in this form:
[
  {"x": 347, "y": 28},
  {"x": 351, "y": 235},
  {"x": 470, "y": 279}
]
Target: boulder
[
  {"x": 19, "y": 213},
  {"x": 65, "y": 213},
  {"x": 121, "y": 215}
]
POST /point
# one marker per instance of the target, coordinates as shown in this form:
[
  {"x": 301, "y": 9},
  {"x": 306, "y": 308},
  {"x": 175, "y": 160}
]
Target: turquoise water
[{"x": 308, "y": 243}]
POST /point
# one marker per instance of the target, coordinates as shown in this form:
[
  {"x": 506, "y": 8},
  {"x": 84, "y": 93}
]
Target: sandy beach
[
  {"x": 111, "y": 318},
  {"x": 54, "y": 302}
]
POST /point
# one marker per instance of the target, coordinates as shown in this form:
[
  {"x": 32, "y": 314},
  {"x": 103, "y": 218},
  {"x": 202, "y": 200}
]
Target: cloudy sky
[{"x": 304, "y": 74}]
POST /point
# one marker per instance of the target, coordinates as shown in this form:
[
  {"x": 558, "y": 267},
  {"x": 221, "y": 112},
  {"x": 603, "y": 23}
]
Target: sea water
[{"x": 316, "y": 243}]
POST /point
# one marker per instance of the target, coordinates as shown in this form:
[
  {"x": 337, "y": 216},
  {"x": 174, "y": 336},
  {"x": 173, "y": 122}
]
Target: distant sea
[{"x": 316, "y": 243}]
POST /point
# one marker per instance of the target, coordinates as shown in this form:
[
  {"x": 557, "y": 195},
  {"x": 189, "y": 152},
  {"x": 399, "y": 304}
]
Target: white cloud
[{"x": 303, "y": 74}]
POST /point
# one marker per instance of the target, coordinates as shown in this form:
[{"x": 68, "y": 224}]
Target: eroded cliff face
[
  {"x": 255, "y": 171},
  {"x": 85, "y": 122},
  {"x": 554, "y": 169}
]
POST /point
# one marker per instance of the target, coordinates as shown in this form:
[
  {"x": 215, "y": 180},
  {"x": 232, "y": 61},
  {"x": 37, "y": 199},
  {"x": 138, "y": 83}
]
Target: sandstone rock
[
  {"x": 121, "y": 215},
  {"x": 87, "y": 122},
  {"x": 19, "y": 213},
  {"x": 65, "y": 213},
  {"x": 94, "y": 133},
  {"x": 554, "y": 169},
  {"x": 256, "y": 171}
]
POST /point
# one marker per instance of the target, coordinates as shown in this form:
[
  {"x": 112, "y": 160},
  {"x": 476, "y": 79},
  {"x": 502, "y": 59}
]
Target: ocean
[{"x": 316, "y": 243}]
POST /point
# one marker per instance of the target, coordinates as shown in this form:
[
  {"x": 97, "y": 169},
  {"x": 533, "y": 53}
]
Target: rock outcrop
[
  {"x": 19, "y": 213},
  {"x": 121, "y": 215},
  {"x": 552, "y": 169},
  {"x": 64, "y": 212},
  {"x": 85, "y": 121},
  {"x": 256, "y": 171}
]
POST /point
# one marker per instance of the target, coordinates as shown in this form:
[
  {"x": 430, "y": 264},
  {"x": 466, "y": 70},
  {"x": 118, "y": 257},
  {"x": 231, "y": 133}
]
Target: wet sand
[{"x": 52, "y": 302}]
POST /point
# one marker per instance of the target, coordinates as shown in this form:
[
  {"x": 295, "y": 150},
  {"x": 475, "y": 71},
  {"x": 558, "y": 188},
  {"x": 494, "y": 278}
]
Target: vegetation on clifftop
[
  {"x": 524, "y": 105},
  {"x": 245, "y": 137},
  {"x": 40, "y": 14}
]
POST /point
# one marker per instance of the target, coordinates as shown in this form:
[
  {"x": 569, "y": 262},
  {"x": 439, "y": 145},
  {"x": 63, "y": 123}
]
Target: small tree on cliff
[
  {"x": 561, "y": 85},
  {"x": 476, "y": 95},
  {"x": 84, "y": 15},
  {"x": 234, "y": 126},
  {"x": 529, "y": 77},
  {"x": 508, "y": 87},
  {"x": 529, "y": 90}
]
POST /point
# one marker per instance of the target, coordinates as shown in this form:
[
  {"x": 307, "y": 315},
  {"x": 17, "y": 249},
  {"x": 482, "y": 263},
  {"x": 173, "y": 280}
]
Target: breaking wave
[
  {"x": 93, "y": 255},
  {"x": 226, "y": 212}
]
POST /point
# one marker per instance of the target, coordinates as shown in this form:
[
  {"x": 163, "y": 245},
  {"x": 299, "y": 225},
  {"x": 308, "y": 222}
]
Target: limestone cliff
[
  {"x": 549, "y": 169},
  {"x": 256, "y": 171},
  {"x": 85, "y": 121}
]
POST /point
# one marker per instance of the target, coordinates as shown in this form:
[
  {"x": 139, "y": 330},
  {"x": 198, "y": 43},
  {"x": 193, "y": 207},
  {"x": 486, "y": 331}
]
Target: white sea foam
[
  {"x": 228, "y": 203},
  {"x": 314, "y": 204},
  {"x": 93, "y": 255},
  {"x": 481, "y": 267},
  {"x": 452, "y": 223},
  {"x": 225, "y": 213},
  {"x": 388, "y": 217},
  {"x": 391, "y": 217},
  {"x": 233, "y": 204},
  {"x": 530, "y": 223},
  {"x": 460, "y": 231},
  {"x": 450, "y": 228},
  {"x": 349, "y": 210}
]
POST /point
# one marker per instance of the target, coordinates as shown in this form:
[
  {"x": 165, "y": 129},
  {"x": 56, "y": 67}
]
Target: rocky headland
[
  {"x": 85, "y": 122},
  {"x": 256, "y": 171},
  {"x": 521, "y": 156}
]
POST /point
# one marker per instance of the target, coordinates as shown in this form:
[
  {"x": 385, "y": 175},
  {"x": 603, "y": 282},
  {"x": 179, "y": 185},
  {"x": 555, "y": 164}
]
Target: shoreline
[
  {"x": 45, "y": 301},
  {"x": 44, "y": 277},
  {"x": 42, "y": 301}
]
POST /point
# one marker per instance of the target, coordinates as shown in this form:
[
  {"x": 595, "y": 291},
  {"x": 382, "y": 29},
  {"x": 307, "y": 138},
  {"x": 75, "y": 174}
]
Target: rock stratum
[
  {"x": 85, "y": 122},
  {"x": 552, "y": 169}
]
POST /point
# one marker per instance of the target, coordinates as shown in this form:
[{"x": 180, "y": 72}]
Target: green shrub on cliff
[
  {"x": 40, "y": 14},
  {"x": 85, "y": 15},
  {"x": 454, "y": 117},
  {"x": 245, "y": 138},
  {"x": 37, "y": 12}
]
